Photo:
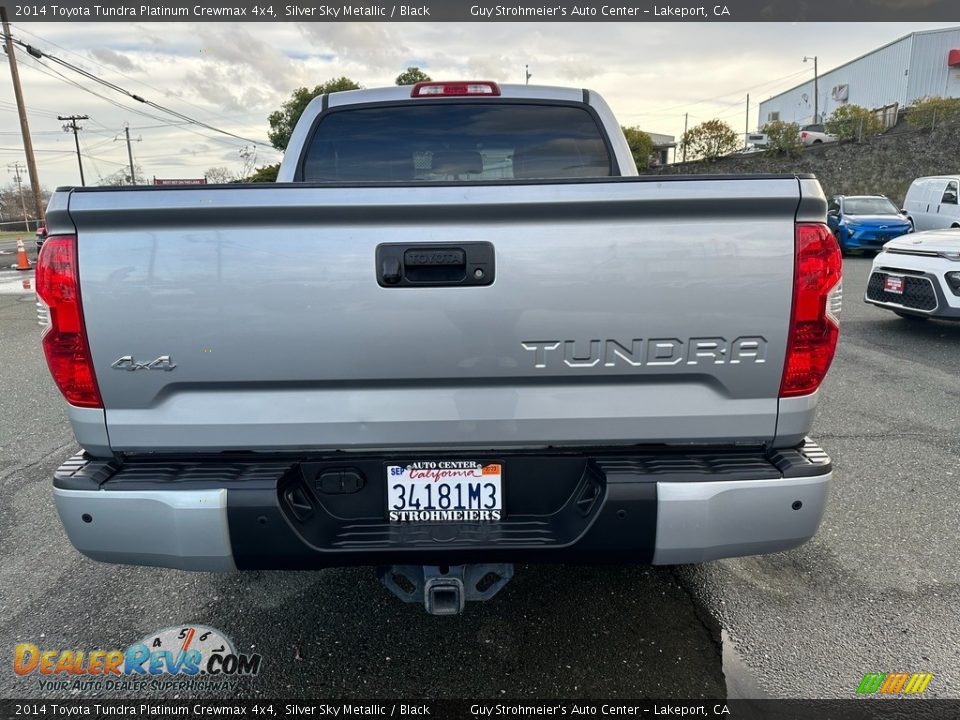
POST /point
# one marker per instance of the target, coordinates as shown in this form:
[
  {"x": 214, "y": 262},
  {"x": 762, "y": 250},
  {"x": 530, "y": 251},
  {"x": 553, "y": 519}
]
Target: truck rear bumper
[{"x": 664, "y": 507}]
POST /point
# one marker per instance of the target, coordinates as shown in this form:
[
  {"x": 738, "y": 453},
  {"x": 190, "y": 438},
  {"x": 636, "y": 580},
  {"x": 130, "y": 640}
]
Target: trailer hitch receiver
[{"x": 445, "y": 589}]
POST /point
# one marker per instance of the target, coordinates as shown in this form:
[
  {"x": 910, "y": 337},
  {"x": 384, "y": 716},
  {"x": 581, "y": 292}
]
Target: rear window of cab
[{"x": 456, "y": 142}]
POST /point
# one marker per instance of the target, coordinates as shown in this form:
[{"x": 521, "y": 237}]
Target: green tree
[
  {"x": 282, "y": 121},
  {"x": 264, "y": 174},
  {"x": 641, "y": 146},
  {"x": 411, "y": 76},
  {"x": 783, "y": 138},
  {"x": 929, "y": 112},
  {"x": 853, "y": 122},
  {"x": 709, "y": 140}
]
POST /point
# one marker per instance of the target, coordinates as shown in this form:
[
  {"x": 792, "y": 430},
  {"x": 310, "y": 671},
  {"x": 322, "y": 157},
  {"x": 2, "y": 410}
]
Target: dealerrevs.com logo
[{"x": 181, "y": 657}]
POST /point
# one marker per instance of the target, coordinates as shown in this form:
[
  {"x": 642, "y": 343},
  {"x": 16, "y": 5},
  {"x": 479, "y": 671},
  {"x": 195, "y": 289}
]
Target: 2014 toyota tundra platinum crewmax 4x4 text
[{"x": 487, "y": 341}]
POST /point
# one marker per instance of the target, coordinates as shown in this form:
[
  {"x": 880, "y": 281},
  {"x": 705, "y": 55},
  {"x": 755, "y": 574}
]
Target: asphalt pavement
[
  {"x": 875, "y": 591},
  {"x": 878, "y": 588}
]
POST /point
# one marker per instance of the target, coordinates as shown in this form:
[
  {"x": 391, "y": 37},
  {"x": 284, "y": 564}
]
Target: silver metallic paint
[
  {"x": 164, "y": 528},
  {"x": 267, "y": 298},
  {"x": 697, "y": 522}
]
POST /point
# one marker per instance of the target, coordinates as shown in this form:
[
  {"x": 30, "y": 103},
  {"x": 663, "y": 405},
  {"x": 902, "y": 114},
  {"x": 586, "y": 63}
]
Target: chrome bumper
[
  {"x": 696, "y": 521},
  {"x": 184, "y": 529},
  {"x": 705, "y": 521}
]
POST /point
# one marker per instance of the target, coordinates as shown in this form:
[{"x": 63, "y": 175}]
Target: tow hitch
[{"x": 444, "y": 589}]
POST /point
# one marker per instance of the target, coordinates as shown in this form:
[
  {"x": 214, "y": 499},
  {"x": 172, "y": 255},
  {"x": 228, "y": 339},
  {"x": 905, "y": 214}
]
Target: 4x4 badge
[{"x": 164, "y": 362}]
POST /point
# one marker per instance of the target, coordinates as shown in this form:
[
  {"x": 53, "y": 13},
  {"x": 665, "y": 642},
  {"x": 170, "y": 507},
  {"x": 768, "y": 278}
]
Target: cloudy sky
[{"x": 233, "y": 75}]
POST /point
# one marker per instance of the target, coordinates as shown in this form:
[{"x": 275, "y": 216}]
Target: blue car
[{"x": 865, "y": 222}]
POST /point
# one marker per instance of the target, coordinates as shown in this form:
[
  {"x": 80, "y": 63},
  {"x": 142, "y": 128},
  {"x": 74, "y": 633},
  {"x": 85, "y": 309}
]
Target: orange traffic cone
[{"x": 22, "y": 262}]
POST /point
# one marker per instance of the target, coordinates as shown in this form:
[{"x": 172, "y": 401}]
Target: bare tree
[
  {"x": 11, "y": 207},
  {"x": 122, "y": 177},
  {"x": 219, "y": 175}
]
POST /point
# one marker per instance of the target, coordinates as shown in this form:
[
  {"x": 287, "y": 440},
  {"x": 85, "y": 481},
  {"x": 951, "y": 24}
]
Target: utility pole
[
  {"x": 24, "y": 125},
  {"x": 746, "y": 129},
  {"x": 528, "y": 75},
  {"x": 686, "y": 116},
  {"x": 133, "y": 173},
  {"x": 23, "y": 202},
  {"x": 72, "y": 126}
]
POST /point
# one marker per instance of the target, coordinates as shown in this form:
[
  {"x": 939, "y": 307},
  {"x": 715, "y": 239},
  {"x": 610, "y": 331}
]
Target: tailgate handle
[{"x": 433, "y": 264}]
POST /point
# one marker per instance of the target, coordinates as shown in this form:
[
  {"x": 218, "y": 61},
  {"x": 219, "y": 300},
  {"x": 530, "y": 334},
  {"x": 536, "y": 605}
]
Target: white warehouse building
[{"x": 918, "y": 65}]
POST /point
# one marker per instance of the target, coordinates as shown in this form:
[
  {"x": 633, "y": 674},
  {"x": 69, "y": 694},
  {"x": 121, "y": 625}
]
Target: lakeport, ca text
[
  {"x": 576, "y": 12},
  {"x": 596, "y": 710}
]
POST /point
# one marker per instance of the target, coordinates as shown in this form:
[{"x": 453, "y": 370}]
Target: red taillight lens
[
  {"x": 449, "y": 89},
  {"x": 65, "y": 340},
  {"x": 803, "y": 136},
  {"x": 817, "y": 293}
]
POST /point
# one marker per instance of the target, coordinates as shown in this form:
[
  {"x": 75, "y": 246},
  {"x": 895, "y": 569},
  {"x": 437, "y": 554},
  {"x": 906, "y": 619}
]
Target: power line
[
  {"x": 86, "y": 151},
  {"x": 117, "y": 88},
  {"x": 35, "y": 132},
  {"x": 10, "y": 107},
  {"x": 20, "y": 150},
  {"x": 755, "y": 89},
  {"x": 44, "y": 69},
  {"x": 20, "y": 28},
  {"x": 108, "y": 141}
]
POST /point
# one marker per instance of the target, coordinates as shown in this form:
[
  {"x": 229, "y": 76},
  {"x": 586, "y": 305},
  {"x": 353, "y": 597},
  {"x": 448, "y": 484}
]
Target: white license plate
[
  {"x": 445, "y": 491},
  {"x": 893, "y": 284}
]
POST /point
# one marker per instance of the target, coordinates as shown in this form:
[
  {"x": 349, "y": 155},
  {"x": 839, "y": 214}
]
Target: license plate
[
  {"x": 893, "y": 284},
  {"x": 444, "y": 491}
]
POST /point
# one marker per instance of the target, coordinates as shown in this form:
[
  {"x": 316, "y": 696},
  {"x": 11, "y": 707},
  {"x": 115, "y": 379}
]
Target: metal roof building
[{"x": 920, "y": 64}]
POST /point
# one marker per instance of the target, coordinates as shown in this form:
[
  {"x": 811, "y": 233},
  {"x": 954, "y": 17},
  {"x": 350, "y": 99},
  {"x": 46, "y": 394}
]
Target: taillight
[
  {"x": 814, "y": 325},
  {"x": 451, "y": 89},
  {"x": 65, "y": 340}
]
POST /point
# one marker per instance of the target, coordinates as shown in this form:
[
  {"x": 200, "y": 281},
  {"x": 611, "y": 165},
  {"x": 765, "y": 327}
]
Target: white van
[{"x": 931, "y": 202}]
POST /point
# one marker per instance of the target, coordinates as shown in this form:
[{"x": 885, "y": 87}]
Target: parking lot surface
[{"x": 876, "y": 591}]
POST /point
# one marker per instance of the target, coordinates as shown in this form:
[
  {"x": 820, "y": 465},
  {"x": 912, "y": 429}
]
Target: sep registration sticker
[{"x": 445, "y": 491}]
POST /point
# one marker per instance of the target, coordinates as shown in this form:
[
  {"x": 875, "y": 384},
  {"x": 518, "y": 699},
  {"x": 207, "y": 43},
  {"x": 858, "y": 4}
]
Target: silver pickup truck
[{"x": 459, "y": 333}]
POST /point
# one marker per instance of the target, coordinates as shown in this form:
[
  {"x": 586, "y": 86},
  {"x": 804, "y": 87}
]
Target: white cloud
[
  {"x": 232, "y": 75},
  {"x": 114, "y": 59},
  {"x": 378, "y": 46}
]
